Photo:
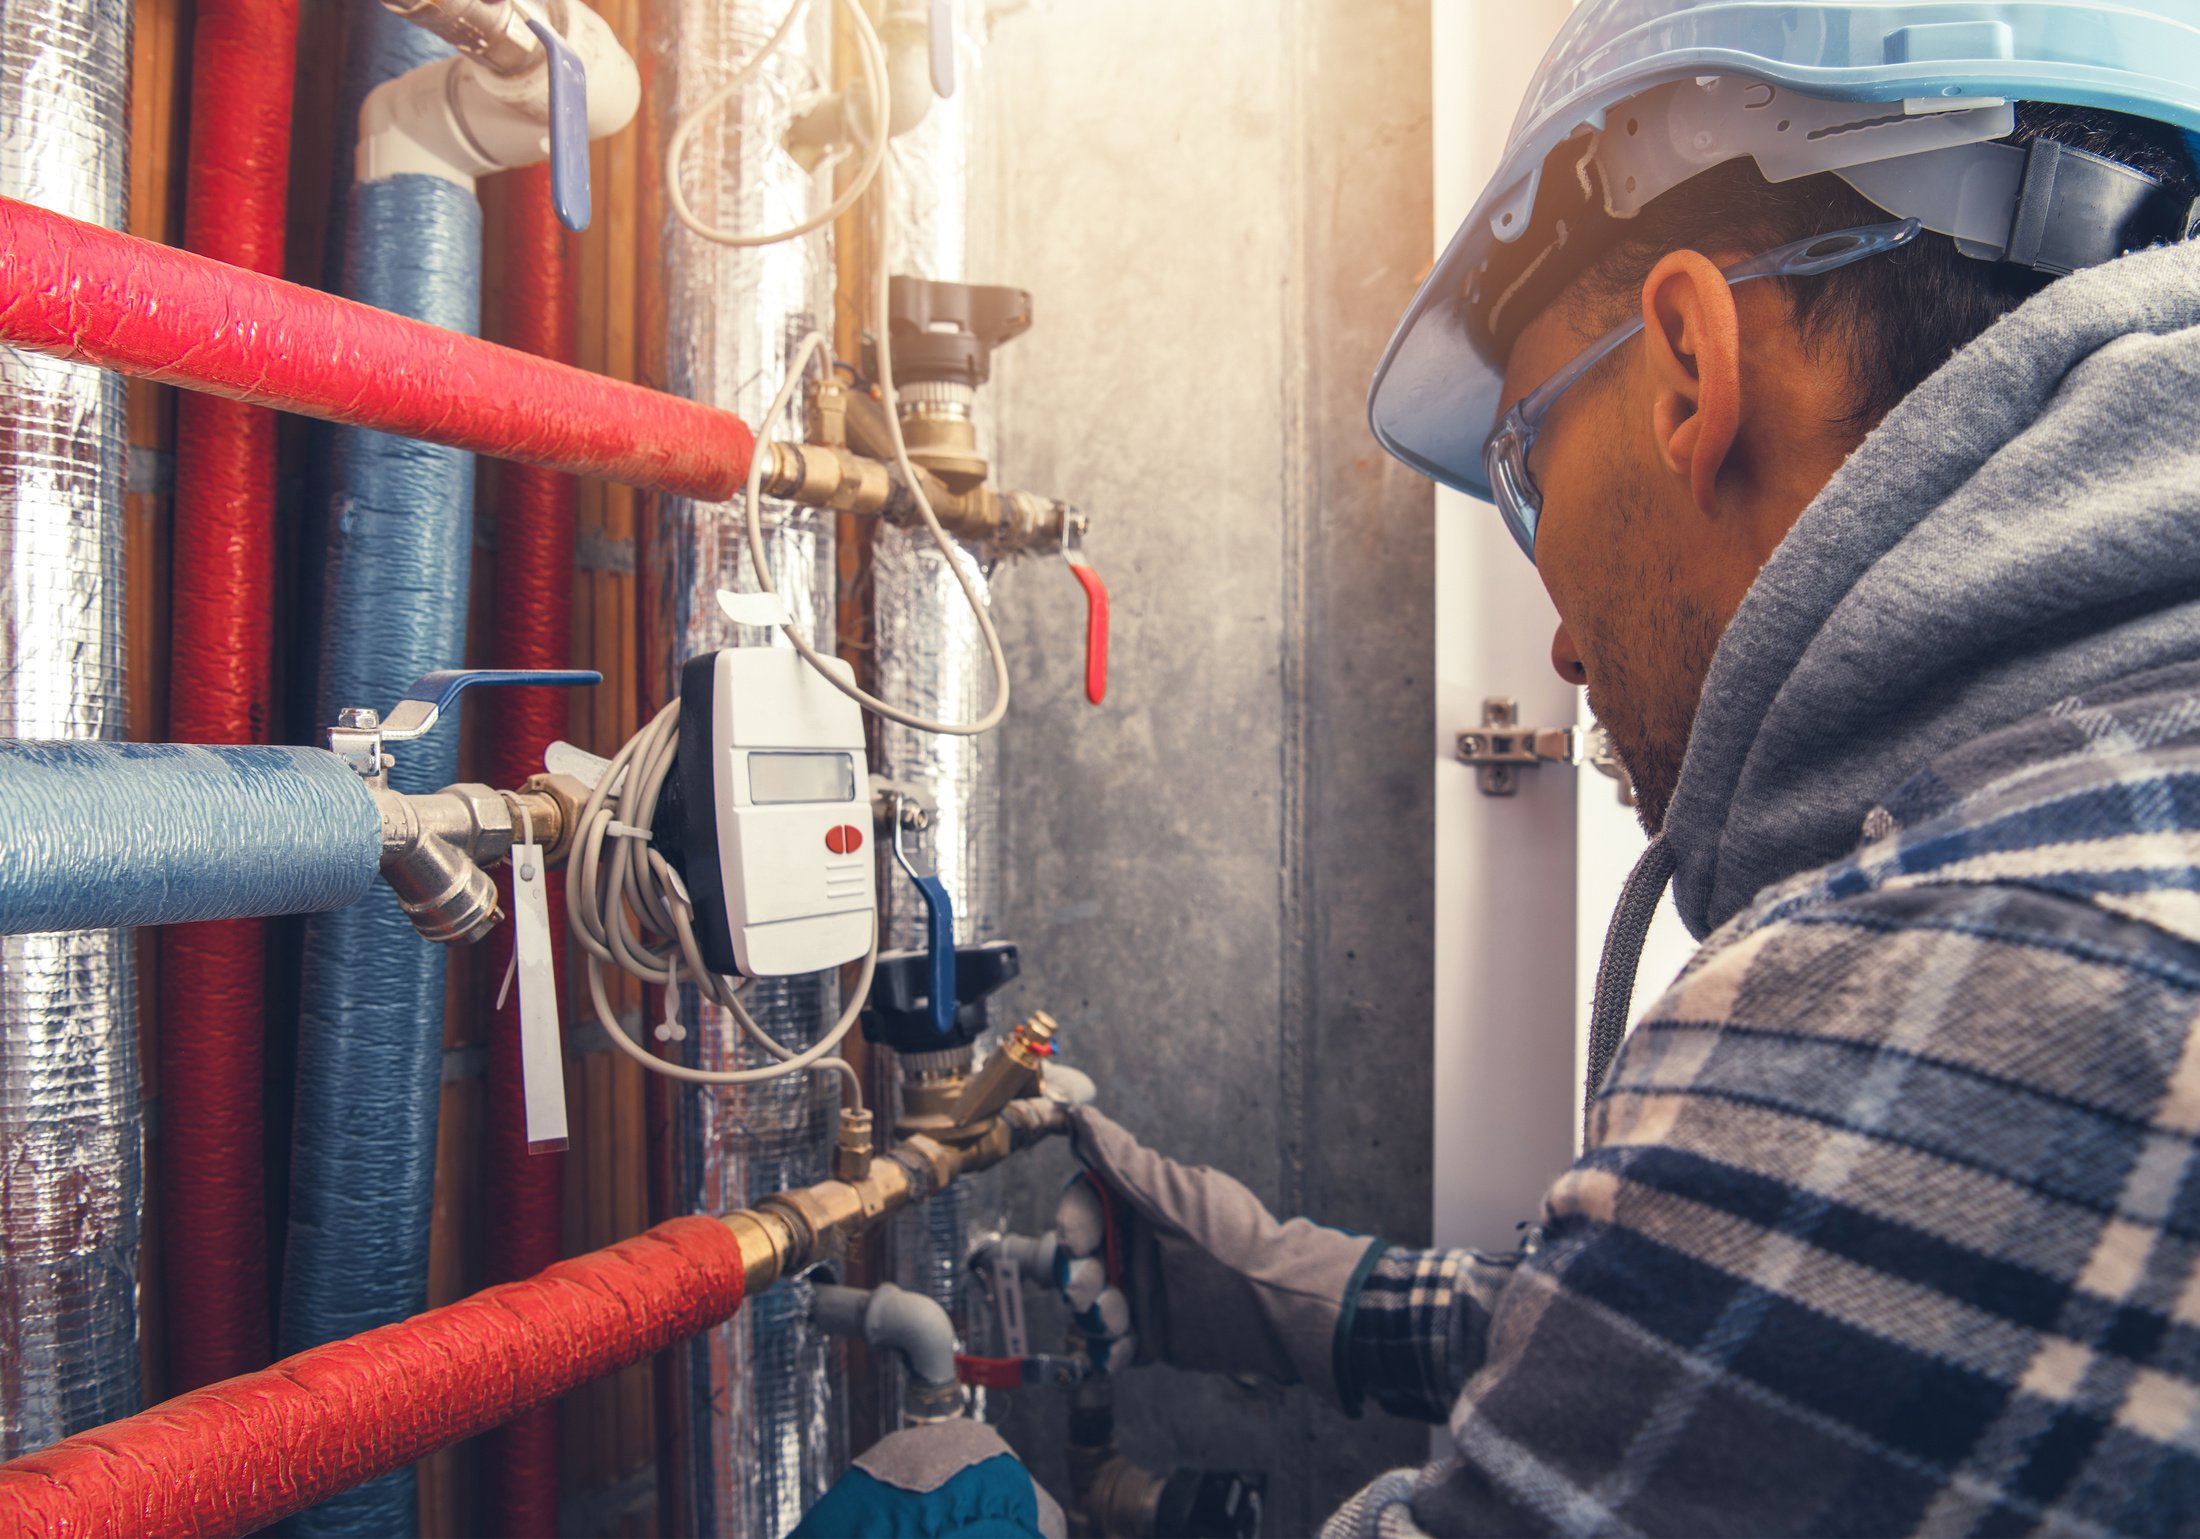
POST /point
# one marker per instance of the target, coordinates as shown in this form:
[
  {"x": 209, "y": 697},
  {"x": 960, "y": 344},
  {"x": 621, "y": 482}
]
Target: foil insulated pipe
[
  {"x": 71, "y": 290},
  {"x": 764, "y": 1430},
  {"x": 100, "y": 834},
  {"x": 931, "y": 658},
  {"x": 370, "y": 1026},
  {"x": 234, "y": 1457},
  {"x": 213, "y": 1010},
  {"x": 533, "y": 613},
  {"x": 70, "y": 1120}
]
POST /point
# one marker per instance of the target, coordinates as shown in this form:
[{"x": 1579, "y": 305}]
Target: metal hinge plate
[{"x": 1500, "y": 748}]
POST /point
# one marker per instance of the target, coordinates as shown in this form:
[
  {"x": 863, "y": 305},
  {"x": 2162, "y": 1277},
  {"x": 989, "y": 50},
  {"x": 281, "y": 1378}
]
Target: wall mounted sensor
[{"x": 773, "y": 813}]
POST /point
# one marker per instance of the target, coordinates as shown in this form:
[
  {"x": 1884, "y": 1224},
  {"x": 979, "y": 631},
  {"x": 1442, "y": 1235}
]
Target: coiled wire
[{"x": 618, "y": 899}]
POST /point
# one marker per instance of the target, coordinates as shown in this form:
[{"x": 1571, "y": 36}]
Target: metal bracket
[{"x": 1501, "y": 747}]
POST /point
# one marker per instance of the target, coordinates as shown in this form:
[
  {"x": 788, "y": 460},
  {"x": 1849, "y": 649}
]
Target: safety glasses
[{"x": 1505, "y": 451}]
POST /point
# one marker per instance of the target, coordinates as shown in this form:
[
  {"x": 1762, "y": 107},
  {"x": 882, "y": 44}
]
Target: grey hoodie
[{"x": 2024, "y": 526}]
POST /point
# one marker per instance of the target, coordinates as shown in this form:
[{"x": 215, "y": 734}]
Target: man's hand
[{"x": 1196, "y": 1273}]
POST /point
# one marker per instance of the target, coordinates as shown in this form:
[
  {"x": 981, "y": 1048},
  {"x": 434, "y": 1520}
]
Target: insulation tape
[
  {"x": 370, "y": 1030},
  {"x": 213, "y": 1007},
  {"x": 73, "y": 290},
  {"x": 536, "y": 514},
  {"x": 238, "y": 1455},
  {"x": 110, "y": 834}
]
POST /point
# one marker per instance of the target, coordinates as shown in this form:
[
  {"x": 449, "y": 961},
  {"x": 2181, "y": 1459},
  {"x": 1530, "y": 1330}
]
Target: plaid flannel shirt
[{"x": 1890, "y": 1216}]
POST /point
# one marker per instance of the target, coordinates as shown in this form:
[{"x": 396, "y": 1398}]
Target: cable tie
[
  {"x": 669, "y": 1029},
  {"x": 618, "y": 830}
]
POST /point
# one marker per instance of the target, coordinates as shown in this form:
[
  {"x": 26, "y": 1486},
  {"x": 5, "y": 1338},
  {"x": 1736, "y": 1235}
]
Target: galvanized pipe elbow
[{"x": 434, "y": 849}]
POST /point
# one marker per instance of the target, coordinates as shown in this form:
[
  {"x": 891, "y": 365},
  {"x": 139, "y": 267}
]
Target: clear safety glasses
[{"x": 1505, "y": 451}]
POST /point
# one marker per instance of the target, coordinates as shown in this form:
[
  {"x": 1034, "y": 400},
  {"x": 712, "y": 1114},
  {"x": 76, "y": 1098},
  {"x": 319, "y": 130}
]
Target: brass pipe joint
[
  {"x": 835, "y": 476},
  {"x": 790, "y": 1231}
]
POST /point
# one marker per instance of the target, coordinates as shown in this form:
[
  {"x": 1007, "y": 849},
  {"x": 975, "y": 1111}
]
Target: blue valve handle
[
  {"x": 415, "y": 716},
  {"x": 440, "y": 688},
  {"x": 568, "y": 129},
  {"x": 939, "y": 938}
]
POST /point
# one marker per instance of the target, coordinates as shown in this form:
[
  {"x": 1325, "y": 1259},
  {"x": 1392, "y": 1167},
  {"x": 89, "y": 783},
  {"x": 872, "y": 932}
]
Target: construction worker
[{"x": 1837, "y": 365}]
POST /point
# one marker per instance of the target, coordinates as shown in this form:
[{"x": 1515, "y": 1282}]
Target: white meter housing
[{"x": 777, "y": 806}]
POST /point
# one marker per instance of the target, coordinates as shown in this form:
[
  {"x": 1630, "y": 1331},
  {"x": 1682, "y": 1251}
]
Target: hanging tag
[
  {"x": 541, "y": 1048},
  {"x": 563, "y": 758},
  {"x": 1008, "y": 1287},
  {"x": 755, "y": 608}
]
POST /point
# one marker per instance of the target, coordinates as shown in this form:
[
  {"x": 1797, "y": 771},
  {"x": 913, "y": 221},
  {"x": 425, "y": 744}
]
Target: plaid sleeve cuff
[{"x": 1419, "y": 1325}]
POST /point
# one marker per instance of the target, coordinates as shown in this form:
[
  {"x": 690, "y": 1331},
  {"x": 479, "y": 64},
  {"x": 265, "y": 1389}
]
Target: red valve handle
[{"x": 1096, "y": 628}]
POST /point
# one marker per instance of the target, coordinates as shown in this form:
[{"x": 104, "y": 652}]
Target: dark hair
[{"x": 1896, "y": 317}]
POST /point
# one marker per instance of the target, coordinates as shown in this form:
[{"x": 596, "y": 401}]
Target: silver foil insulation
[
  {"x": 766, "y": 1429},
  {"x": 70, "y": 1119},
  {"x": 931, "y": 657}
]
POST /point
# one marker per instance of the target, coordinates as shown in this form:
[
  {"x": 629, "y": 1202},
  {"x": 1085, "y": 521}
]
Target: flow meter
[{"x": 773, "y": 813}]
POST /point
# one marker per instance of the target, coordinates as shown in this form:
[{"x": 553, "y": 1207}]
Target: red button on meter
[{"x": 844, "y": 840}]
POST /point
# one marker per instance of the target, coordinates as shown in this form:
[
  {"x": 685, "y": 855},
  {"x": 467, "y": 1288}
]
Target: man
[{"x": 1838, "y": 366}]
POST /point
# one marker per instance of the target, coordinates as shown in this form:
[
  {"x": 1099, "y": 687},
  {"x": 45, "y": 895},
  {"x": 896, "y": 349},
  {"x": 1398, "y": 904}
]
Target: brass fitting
[
  {"x": 790, "y": 1231},
  {"x": 553, "y": 803},
  {"x": 825, "y": 416},
  {"x": 826, "y": 476},
  {"x": 852, "y": 1154},
  {"x": 1012, "y": 1071},
  {"x": 1122, "y": 1500}
]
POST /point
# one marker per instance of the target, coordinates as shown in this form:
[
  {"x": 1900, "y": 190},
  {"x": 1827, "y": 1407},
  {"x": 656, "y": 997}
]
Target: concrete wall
[{"x": 1222, "y": 878}]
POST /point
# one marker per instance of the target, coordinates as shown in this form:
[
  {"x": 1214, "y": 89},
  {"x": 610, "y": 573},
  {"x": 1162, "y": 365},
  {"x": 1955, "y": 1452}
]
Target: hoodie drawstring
[{"x": 1609, "y": 1011}]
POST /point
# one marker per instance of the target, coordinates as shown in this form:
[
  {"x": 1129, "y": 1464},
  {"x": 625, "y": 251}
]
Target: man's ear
[{"x": 1693, "y": 341}]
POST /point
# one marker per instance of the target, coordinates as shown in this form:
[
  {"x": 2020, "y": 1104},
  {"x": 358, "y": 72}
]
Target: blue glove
[{"x": 951, "y": 1477}]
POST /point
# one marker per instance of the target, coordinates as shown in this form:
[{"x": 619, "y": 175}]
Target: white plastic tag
[
  {"x": 1008, "y": 1287},
  {"x": 563, "y": 758},
  {"x": 541, "y": 1047},
  {"x": 755, "y": 608}
]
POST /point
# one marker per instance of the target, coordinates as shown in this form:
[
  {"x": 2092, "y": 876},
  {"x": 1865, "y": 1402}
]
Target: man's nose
[{"x": 1566, "y": 658}]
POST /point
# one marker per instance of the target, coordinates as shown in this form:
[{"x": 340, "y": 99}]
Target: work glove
[
  {"x": 1170, "y": 1263},
  {"x": 950, "y": 1477}
]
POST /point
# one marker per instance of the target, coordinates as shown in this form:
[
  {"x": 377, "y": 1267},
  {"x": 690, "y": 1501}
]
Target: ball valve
[{"x": 533, "y": 80}]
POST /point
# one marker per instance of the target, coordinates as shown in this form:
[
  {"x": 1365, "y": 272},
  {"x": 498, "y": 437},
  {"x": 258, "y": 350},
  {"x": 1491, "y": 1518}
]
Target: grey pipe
[
  {"x": 106, "y": 834},
  {"x": 914, "y": 1327}
]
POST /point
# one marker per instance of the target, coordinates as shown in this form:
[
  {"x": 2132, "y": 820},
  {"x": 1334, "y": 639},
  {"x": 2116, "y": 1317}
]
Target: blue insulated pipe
[
  {"x": 94, "y": 835},
  {"x": 399, "y": 526}
]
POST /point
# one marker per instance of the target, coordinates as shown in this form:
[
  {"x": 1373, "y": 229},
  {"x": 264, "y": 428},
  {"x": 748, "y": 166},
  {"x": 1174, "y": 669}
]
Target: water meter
[{"x": 775, "y": 813}]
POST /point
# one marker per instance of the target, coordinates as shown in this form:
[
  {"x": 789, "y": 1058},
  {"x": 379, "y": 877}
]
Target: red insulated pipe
[
  {"x": 533, "y": 612},
  {"x": 74, "y": 290},
  {"x": 213, "y": 1018},
  {"x": 238, "y": 1455}
]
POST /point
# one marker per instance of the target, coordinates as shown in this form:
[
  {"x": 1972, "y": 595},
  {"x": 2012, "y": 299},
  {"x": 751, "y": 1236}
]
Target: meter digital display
[
  {"x": 775, "y": 803},
  {"x": 779, "y": 778}
]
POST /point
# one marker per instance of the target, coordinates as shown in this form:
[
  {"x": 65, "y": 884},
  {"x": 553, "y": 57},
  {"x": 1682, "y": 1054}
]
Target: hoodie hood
[{"x": 2024, "y": 526}]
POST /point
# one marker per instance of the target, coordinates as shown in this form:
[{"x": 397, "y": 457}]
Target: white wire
[
  {"x": 804, "y": 351},
  {"x": 602, "y": 889},
  {"x": 872, "y": 55}
]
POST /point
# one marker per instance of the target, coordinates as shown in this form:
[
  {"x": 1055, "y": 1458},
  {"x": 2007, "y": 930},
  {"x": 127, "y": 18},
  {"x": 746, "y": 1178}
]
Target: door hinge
[{"x": 1501, "y": 747}]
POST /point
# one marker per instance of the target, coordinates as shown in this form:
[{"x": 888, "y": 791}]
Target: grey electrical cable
[
  {"x": 603, "y": 888},
  {"x": 870, "y": 52}
]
